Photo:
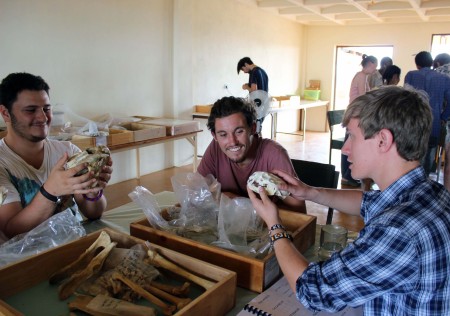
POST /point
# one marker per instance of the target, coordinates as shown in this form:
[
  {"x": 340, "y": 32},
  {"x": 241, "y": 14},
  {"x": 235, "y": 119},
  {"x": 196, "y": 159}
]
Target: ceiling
[{"x": 357, "y": 12}]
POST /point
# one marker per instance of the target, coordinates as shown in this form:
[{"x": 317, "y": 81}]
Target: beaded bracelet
[
  {"x": 277, "y": 236},
  {"x": 276, "y": 226},
  {"x": 95, "y": 199}
]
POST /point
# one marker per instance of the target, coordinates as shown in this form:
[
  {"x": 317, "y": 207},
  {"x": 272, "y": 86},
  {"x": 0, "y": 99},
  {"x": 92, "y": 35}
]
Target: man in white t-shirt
[{"x": 32, "y": 166}]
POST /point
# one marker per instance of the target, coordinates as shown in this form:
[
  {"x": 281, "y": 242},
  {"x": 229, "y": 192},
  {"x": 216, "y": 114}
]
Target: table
[
  {"x": 121, "y": 217},
  {"x": 191, "y": 137},
  {"x": 302, "y": 106}
]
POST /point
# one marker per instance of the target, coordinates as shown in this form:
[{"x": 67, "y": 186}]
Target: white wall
[
  {"x": 161, "y": 57},
  {"x": 146, "y": 57}
]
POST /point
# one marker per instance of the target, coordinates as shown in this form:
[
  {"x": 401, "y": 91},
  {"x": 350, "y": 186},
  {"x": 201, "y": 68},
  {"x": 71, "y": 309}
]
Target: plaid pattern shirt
[
  {"x": 444, "y": 69},
  {"x": 399, "y": 264},
  {"x": 437, "y": 86}
]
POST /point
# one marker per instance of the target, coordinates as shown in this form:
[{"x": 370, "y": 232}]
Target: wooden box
[
  {"x": 175, "y": 126},
  {"x": 18, "y": 280},
  {"x": 118, "y": 136},
  {"x": 84, "y": 142},
  {"x": 115, "y": 137},
  {"x": 145, "y": 131},
  {"x": 253, "y": 274},
  {"x": 203, "y": 108}
]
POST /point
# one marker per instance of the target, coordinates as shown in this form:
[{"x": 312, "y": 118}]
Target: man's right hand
[
  {"x": 297, "y": 188},
  {"x": 64, "y": 182}
]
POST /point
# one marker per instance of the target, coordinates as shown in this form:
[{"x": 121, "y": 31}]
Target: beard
[
  {"x": 20, "y": 128},
  {"x": 238, "y": 159}
]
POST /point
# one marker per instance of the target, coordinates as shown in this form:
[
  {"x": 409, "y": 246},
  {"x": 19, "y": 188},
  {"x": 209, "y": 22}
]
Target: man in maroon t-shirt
[{"x": 237, "y": 151}]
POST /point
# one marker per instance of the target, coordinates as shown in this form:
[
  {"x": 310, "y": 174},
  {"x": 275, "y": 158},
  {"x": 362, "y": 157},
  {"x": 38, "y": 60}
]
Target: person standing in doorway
[
  {"x": 376, "y": 79},
  {"x": 358, "y": 87},
  {"x": 258, "y": 79},
  {"x": 391, "y": 76}
]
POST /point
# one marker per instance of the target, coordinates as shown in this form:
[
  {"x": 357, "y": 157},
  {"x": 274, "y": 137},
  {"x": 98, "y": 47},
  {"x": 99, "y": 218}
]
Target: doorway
[{"x": 348, "y": 63}]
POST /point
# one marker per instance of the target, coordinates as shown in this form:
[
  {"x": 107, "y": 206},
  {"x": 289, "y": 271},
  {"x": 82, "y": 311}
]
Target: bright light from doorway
[{"x": 348, "y": 63}]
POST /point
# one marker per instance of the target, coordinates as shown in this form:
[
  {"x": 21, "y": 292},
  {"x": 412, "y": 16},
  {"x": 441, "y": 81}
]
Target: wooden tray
[
  {"x": 253, "y": 274},
  {"x": 21, "y": 276}
]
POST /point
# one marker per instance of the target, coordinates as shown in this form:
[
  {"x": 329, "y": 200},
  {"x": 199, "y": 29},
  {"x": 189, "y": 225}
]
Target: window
[{"x": 440, "y": 43}]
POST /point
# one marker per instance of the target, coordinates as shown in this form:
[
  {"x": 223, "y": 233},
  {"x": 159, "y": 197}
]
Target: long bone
[
  {"x": 178, "y": 301},
  {"x": 166, "y": 309},
  {"x": 68, "y": 287},
  {"x": 182, "y": 290},
  {"x": 102, "y": 241},
  {"x": 158, "y": 260}
]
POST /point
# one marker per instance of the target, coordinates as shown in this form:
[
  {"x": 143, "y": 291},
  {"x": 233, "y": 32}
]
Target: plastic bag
[
  {"x": 240, "y": 228},
  {"x": 59, "y": 229},
  {"x": 145, "y": 199},
  {"x": 198, "y": 206}
]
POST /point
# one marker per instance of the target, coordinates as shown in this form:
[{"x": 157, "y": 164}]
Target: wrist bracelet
[
  {"x": 276, "y": 226},
  {"x": 277, "y": 236},
  {"x": 55, "y": 199},
  {"x": 95, "y": 199}
]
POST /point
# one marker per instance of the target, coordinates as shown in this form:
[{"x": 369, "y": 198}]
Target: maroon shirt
[{"x": 269, "y": 156}]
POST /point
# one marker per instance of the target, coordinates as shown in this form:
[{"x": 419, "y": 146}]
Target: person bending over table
[
  {"x": 32, "y": 166},
  {"x": 398, "y": 265},
  {"x": 236, "y": 151}
]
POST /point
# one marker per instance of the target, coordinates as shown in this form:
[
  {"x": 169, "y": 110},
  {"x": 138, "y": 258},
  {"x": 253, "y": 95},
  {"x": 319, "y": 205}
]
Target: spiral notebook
[{"x": 280, "y": 300}]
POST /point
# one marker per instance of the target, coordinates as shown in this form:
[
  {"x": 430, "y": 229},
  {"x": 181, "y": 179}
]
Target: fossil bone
[
  {"x": 95, "y": 157},
  {"x": 166, "y": 309},
  {"x": 158, "y": 260},
  {"x": 182, "y": 290},
  {"x": 70, "y": 285},
  {"x": 178, "y": 301},
  {"x": 268, "y": 181},
  {"x": 102, "y": 241}
]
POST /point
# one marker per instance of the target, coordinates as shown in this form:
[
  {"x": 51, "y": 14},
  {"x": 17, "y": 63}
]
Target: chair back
[
  {"x": 315, "y": 173},
  {"x": 334, "y": 118},
  {"x": 318, "y": 175}
]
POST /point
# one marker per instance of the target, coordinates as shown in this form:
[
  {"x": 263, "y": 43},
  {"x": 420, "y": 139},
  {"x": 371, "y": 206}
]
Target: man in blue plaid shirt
[{"x": 398, "y": 265}]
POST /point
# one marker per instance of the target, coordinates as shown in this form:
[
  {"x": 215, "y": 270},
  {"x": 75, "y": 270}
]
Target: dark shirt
[
  {"x": 437, "y": 86},
  {"x": 259, "y": 76}
]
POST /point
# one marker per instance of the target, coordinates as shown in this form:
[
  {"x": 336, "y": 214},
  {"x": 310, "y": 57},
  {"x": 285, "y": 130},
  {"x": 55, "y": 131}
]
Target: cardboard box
[
  {"x": 280, "y": 101},
  {"x": 26, "y": 281},
  {"x": 118, "y": 137},
  {"x": 115, "y": 137},
  {"x": 175, "y": 126},
  {"x": 145, "y": 131},
  {"x": 84, "y": 142},
  {"x": 284, "y": 101},
  {"x": 143, "y": 118},
  {"x": 253, "y": 274},
  {"x": 203, "y": 108}
]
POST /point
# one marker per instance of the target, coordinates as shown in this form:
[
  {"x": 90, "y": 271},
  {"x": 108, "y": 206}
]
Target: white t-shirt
[{"x": 22, "y": 180}]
